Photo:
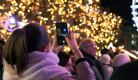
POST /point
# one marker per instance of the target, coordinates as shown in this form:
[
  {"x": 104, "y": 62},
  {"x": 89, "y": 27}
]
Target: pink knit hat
[
  {"x": 120, "y": 59},
  {"x": 105, "y": 59}
]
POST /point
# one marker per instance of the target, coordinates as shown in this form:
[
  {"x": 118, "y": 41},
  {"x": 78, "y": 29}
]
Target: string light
[{"x": 85, "y": 18}]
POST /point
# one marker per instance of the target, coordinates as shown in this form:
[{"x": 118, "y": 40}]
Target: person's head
[
  {"x": 119, "y": 60},
  {"x": 105, "y": 59},
  {"x": 1, "y": 53},
  {"x": 88, "y": 46},
  {"x": 65, "y": 61},
  {"x": 32, "y": 37},
  {"x": 105, "y": 51}
]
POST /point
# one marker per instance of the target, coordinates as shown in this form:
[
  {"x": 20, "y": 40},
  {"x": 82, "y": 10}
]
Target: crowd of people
[{"x": 29, "y": 55}]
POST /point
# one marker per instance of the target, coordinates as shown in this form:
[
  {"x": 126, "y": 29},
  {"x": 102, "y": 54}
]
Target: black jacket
[
  {"x": 1, "y": 71},
  {"x": 127, "y": 71},
  {"x": 95, "y": 65}
]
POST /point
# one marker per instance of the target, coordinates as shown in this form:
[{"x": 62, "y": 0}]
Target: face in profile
[
  {"x": 68, "y": 66},
  {"x": 91, "y": 48}
]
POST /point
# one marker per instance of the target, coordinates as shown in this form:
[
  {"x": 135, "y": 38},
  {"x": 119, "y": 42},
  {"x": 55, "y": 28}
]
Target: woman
[
  {"x": 106, "y": 61},
  {"x": 28, "y": 56},
  {"x": 65, "y": 61},
  {"x": 119, "y": 60}
]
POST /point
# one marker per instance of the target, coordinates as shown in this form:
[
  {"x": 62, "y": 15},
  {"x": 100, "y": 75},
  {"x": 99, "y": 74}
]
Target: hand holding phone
[
  {"x": 62, "y": 31},
  {"x": 55, "y": 46},
  {"x": 72, "y": 43}
]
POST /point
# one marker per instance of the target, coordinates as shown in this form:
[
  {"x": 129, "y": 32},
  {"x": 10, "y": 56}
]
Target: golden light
[{"x": 85, "y": 20}]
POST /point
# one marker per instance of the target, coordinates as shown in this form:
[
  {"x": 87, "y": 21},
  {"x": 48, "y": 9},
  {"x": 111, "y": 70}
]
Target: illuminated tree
[{"x": 85, "y": 17}]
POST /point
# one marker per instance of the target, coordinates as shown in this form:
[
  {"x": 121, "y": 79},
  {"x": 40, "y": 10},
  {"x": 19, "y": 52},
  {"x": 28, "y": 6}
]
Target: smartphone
[{"x": 62, "y": 31}]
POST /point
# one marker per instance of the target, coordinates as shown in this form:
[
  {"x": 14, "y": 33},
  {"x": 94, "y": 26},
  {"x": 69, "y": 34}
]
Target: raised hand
[
  {"x": 55, "y": 46},
  {"x": 72, "y": 43}
]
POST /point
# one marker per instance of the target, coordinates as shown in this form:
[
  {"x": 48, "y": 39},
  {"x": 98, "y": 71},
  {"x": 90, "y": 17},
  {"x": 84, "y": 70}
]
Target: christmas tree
[{"x": 85, "y": 18}]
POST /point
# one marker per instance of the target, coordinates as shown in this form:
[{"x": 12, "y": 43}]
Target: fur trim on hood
[{"x": 41, "y": 66}]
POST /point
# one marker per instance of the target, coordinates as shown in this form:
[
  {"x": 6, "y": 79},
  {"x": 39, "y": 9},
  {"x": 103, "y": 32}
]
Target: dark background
[{"x": 121, "y": 8}]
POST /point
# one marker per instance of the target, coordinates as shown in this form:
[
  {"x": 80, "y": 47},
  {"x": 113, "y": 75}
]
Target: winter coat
[
  {"x": 106, "y": 61},
  {"x": 127, "y": 71},
  {"x": 43, "y": 66},
  {"x": 1, "y": 71},
  {"x": 95, "y": 65}
]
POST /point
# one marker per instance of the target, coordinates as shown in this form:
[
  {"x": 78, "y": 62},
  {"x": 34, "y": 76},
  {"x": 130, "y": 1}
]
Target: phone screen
[{"x": 62, "y": 31}]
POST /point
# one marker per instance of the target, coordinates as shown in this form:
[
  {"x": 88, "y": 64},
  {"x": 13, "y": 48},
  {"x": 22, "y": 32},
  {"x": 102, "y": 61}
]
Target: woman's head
[
  {"x": 36, "y": 37},
  {"x": 105, "y": 59},
  {"x": 32, "y": 37},
  {"x": 120, "y": 59},
  {"x": 65, "y": 61}
]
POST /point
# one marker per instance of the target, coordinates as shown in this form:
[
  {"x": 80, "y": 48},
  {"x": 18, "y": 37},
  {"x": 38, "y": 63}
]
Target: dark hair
[
  {"x": 71, "y": 53},
  {"x": 1, "y": 53},
  {"x": 2, "y": 42},
  {"x": 64, "y": 58},
  {"x": 105, "y": 51},
  {"x": 23, "y": 41},
  {"x": 36, "y": 37}
]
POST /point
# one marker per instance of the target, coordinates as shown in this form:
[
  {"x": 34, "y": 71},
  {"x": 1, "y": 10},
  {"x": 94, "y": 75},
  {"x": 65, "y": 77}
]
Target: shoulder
[
  {"x": 63, "y": 77},
  {"x": 98, "y": 63}
]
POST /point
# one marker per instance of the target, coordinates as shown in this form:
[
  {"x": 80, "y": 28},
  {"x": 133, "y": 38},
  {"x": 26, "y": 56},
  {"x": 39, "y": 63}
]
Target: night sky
[{"x": 121, "y": 8}]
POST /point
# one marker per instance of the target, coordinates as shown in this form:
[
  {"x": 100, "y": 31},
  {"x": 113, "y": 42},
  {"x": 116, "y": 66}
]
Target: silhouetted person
[
  {"x": 1, "y": 61},
  {"x": 2, "y": 42},
  {"x": 111, "y": 53}
]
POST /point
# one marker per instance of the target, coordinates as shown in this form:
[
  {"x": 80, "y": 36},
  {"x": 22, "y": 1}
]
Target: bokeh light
[{"x": 85, "y": 18}]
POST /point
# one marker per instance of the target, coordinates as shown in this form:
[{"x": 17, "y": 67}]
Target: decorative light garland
[{"x": 85, "y": 18}]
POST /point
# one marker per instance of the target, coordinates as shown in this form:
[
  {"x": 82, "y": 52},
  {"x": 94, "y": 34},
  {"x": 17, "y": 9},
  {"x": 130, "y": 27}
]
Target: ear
[{"x": 43, "y": 48}]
